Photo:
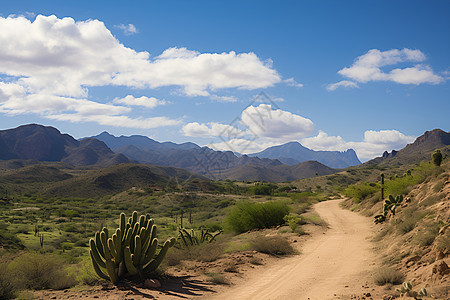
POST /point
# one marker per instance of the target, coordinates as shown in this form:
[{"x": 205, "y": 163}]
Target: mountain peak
[{"x": 293, "y": 153}]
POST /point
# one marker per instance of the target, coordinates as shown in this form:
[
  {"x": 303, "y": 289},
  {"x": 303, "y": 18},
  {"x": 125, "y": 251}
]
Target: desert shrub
[
  {"x": 432, "y": 199},
  {"x": 255, "y": 261},
  {"x": 410, "y": 221},
  {"x": 292, "y": 220},
  {"x": 426, "y": 236},
  {"x": 85, "y": 273},
  {"x": 313, "y": 219},
  {"x": 217, "y": 278},
  {"x": 6, "y": 286},
  {"x": 443, "y": 242},
  {"x": 361, "y": 191},
  {"x": 273, "y": 245},
  {"x": 263, "y": 189},
  {"x": 40, "y": 271},
  {"x": 246, "y": 216},
  {"x": 386, "y": 275},
  {"x": 438, "y": 186},
  {"x": 205, "y": 252},
  {"x": 9, "y": 240}
]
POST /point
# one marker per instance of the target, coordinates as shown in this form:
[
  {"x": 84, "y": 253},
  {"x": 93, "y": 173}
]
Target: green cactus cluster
[
  {"x": 389, "y": 206},
  {"x": 191, "y": 238},
  {"x": 406, "y": 289},
  {"x": 131, "y": 250}
]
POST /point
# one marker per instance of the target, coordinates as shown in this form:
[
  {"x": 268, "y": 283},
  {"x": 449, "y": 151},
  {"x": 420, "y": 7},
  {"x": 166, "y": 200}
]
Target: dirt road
[{"x": 334, "y": 265}]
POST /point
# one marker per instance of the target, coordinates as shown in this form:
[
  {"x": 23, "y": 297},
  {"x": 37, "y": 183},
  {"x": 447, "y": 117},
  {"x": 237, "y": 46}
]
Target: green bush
[
  {"x": 40, "y": 271},
  {"x": 7, "y": 290},
  {"x": 263, "y": 189},
  {"x": 361, "y": 191},
  {"x": 246, "y": 215},
  {"x": 273, "y": 245}
]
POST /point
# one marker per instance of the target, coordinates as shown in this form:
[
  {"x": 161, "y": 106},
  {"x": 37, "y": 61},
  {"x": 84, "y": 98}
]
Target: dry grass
[
  {"x": 273, "y": 245},
  {"x": 387, "y": 275},
  {"x": 217, "y": 278}
]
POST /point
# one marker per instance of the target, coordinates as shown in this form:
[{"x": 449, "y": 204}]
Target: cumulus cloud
[
  {"x": 53, "y": 62},
  {"x": 373, "y": 144},
  {"x": 149, "y": 102},
  {"x": 257, "y": 128},
  {"x": 343, "y": 83},
  {"x": 265, "y": 122},
  {"x": 292, "y": 82},
  {"x": 368, "y": 67},
  {"x": 211, "y": 129},
  {"x": 127, "y": 29}
]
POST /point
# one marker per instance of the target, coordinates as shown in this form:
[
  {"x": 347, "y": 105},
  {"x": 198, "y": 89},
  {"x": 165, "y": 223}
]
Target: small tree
[{"x": 436, "y": 157}]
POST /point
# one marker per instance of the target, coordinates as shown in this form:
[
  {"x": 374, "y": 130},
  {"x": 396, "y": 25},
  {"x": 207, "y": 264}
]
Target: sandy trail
[{"x": 333, "y": 265}]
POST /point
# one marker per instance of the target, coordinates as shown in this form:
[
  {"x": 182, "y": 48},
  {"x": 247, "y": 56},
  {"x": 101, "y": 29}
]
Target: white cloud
[
  {"x": 292, "y": 82},
  {"x": 53, "y": 62},
  {"x": 127, "y": 29},
  {"x": 368, "y": 67},
  {"x": 276, "y": 124},
  {"x": 257, "y": 128},
  {"x": 149, "y": 102},
  {"x": 118, "y": 121},
  {"x": 211, "y": 129},
  {"x": 242, "y": 146},
  {"x": 226, "y": 99},
  {"x": 343, "y": 83},
  {"x": 373, "y": 144}
]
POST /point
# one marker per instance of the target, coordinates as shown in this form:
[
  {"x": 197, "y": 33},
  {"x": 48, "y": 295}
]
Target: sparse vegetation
[
  {"x": 387, "y": 275},
  {"x": 246, "y": 215},
  {"x": 273, "y": 245}
]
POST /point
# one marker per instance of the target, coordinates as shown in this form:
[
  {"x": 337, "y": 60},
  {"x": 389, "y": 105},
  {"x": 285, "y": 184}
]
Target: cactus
[
  {"x": 407, "y": 289},
  {"x": 389, "y": 206},
  {"x": 41, "y": 240},
  {"x": 129, "y": 251}
]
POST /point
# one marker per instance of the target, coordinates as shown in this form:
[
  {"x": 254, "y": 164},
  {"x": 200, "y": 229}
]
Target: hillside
[
  {"x": 293, "y": 153},
  {"x": 119, "y": 178},
  {"x": 420, "y": 149},
  {"x": 277, "y": 173},
  {"x": 44, "y": 143},
  {"x": 416, "y": 240}
]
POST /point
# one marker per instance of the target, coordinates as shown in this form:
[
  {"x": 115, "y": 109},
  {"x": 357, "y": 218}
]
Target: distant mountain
[
  {"x": 420, "y": 150},
  {"x": 44, "y": 143},
  {"x": 203, "y": 161},
  {"x": 141, "y": 142},
  {"x": 277, "y": 173},
  {"x": 293, "y": 153},
  {"x": 222, "y": 164}
]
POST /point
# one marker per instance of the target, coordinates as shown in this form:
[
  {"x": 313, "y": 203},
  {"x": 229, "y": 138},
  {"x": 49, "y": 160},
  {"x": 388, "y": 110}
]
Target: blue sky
[{"x": 368, "y": 75}]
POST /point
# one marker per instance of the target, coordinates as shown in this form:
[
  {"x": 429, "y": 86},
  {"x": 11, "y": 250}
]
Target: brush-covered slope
[
  {"x": 294, "y": 153},
  {"x": 276, "y": 173},
  {"x": 414, "y": 153},
  {"x": 118, "y": 178},
  {"x": 416, "y": 240}
]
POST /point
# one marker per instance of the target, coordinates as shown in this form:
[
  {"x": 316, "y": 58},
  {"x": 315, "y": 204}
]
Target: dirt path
[{"x": 334, "y": 265}]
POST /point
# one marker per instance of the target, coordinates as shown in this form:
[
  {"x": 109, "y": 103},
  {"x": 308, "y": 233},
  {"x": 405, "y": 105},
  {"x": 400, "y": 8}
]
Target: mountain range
[
  {"x": 26, "y": 144},
  {"x": 293, "y": 153}
]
